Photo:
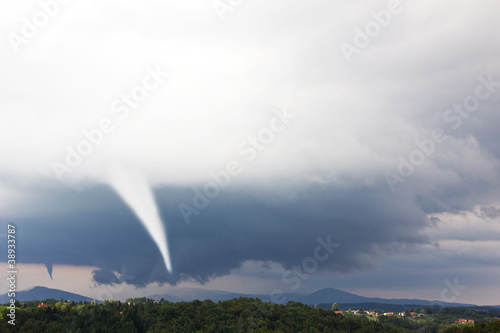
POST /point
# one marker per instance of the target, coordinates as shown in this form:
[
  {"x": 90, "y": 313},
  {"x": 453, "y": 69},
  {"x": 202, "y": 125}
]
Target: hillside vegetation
[{"x": 237, "y": 315}]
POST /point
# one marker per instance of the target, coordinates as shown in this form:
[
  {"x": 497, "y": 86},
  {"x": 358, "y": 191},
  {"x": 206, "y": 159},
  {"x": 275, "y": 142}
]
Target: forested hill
[{"x": 238, "y": 315}]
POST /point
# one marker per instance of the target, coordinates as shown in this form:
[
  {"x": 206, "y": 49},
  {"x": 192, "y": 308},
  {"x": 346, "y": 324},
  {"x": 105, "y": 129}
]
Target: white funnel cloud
[{"x": 134, "y": 189}]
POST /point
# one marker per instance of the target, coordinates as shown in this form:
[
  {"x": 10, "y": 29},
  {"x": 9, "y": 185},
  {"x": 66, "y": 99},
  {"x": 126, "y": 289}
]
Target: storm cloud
[{"x": 381, "y": 149}]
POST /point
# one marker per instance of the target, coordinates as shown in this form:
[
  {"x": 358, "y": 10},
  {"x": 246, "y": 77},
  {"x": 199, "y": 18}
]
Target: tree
[
  {"x": 244, "y": 314},
  {"x": 361, "y": 311},
  {"x": 335, "y": 307}
]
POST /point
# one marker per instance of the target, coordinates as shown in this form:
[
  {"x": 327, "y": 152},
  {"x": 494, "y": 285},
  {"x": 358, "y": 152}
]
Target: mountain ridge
[
  {"x": 322, "y": 296},
  {"x": 40, "y": 293}
]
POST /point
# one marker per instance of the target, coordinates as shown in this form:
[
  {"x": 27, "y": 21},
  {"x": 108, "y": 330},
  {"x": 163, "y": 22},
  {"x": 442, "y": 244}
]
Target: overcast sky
[{"x": 217, "y": 144}]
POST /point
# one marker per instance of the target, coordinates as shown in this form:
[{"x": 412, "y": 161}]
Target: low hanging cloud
[
  {"x": 85, "y": 96},
  {"x": 240, "y": 225}
]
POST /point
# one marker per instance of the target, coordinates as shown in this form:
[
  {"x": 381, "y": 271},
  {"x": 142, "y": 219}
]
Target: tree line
[{"x": 237, "y": 315}]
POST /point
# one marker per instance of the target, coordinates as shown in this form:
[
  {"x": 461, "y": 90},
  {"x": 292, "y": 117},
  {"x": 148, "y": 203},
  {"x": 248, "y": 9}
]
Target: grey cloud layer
[
  {"x": 354, "y": 122},
  {"x": 237, "y": 226}
]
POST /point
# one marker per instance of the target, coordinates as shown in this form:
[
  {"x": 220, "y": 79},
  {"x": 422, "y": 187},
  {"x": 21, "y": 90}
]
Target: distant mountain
[
  {"x": 371, "y": 306},
  {"x": 166, "y": 297},
  {"x": 331, "y": 295},
  {"x": 328, "y": 294},
  {"x": 398, "y": 307},
  {"x": 323, "y": 296},
  {"x": 40, "y": 293},
  {"x": 189, "y": 294}
]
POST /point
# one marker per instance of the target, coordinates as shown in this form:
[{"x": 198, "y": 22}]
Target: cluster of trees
[
  {"x": 492, "y": 327},
  {"x": 439, "y": 319},
  {"x": 415, "y": 325},
  {"x": 237, "y": 315},
  {"x": 450, "y": 315}
]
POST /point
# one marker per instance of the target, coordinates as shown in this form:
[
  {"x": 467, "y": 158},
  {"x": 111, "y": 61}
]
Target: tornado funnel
[{"x": 135, "y": 190}]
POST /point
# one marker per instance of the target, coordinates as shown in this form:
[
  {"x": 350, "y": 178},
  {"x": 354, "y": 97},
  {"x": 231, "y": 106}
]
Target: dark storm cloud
[
  {"x": 237, "y": 226},
  {"x": 489, "y": 212},
  {"x": 354, "y": 121}
]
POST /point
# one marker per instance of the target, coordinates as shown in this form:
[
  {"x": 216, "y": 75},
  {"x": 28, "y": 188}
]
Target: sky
[{"x": 252, "y": 146}]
